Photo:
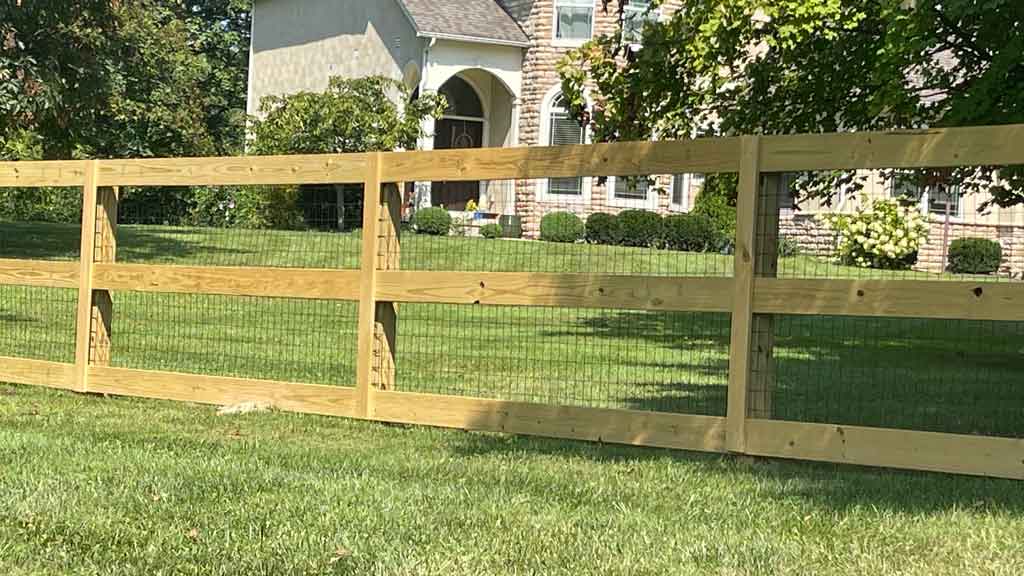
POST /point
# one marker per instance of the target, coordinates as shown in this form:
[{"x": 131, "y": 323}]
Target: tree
[
  {"x": 359, "y": 115},
  {"x": 790, "y": 66},
  {"x": 103, "y": 78}
]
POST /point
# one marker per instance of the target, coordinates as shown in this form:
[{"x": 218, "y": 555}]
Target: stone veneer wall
[
  {"x": 539, "y": 76},
  {"x": 817, "y": 239}
]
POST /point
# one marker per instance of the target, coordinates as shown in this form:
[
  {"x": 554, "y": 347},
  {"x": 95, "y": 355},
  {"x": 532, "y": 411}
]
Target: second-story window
[
  {"x": 574, "y": 20},
  {"x": 636, "y": 13}
]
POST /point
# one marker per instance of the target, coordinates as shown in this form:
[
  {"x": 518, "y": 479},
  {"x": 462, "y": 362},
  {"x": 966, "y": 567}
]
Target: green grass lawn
[
  {"x": 93, "y": 485},
  {"x": 106, "y": 486}
]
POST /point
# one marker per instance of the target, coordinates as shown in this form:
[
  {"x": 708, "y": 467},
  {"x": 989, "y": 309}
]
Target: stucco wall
[{"x": 299, "y": 44}]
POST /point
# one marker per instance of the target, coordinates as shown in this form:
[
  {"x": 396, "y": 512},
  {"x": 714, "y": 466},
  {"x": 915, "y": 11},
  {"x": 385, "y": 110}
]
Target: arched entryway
[{"x": 463, "y": 125}]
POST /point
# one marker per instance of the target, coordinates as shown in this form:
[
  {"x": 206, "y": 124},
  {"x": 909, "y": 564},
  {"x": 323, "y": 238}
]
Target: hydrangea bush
[{"x": 880, "y": 234}]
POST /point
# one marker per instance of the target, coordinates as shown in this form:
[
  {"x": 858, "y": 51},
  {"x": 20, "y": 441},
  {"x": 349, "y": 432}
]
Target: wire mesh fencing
[
  {"x": 309, "y": 226},
  {"x": 655, "y": 361}
]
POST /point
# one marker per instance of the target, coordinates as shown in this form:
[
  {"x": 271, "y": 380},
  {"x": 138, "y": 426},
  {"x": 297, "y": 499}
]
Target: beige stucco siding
[{"x": 299, "y": 44}]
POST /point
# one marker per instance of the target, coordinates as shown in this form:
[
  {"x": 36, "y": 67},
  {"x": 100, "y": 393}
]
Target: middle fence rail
[{"x": 744, "y": 310}]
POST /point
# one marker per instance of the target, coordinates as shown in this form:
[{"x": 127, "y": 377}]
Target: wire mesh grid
[
  {"x": 561, "y": 225},
  {"x": 665, "y": 362},
  {"x": 956, "y": 376},
  {"x": 38, "y": 323},
  {"x": 889, "y": 225},
  {"x": 40, "y": 223},
  {"x": 310, "y": 341},
  {"x": 280, "y": 226}
]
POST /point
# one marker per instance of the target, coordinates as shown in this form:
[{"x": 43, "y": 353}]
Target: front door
[{"x": 452, "y": 133}]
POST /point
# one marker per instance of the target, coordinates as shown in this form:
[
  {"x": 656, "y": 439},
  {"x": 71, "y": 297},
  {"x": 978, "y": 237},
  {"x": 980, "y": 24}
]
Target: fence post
[
  {"x": 368, "y": 263},
  {"x": 766, "y": 265},
  {"x": 389, "y": 227},
  {"x": 105, "y": 251},
  {"x": 84, "y": 316},
  {"x": 742, "y": 325}
]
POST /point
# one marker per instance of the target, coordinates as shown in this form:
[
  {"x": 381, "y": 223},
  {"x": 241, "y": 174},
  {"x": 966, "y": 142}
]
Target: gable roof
[{"x": 468, "y": 20}]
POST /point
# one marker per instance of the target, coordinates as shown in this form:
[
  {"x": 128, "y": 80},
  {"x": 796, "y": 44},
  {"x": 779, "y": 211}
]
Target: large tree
[
  {"x": 100, "y": 78},
  {"x": 788, "y": 66}
]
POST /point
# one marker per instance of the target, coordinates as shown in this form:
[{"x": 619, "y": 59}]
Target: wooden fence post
[
  {"x": 367, "y": 331},
  {"x": 766, "y": 265},
  {"x": 742, "y": 311},
  {"x": 84, "y": 316},
  {"x": 105, "y": 251},
  {"x": 389, "y": 227}
]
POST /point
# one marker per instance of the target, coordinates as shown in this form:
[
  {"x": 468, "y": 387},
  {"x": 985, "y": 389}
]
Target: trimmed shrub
[
  {"x": 491, "y": 230},
  {"x": 435, "y": 221},
  {"x": 788, "y": 247},
  {"x": 639, "y": 228},
  {"x": 975, "y": 256},
  {"x": 561, "y": 227},
  {"x": 691, "y": 233},
  {"x": 717, "y": 201},
  {"x": 602, "y": 228}
]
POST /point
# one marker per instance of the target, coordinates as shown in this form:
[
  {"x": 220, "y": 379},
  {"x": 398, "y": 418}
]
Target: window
[
  {"x": 574, "y": 19},
  {"x": 936, "y": 199},
  {"x": 563, "y": 130},
  {"x": 636, "y": 13},
  {"x": 631, "y": 187},
  {"x": 680, "y": 192}
]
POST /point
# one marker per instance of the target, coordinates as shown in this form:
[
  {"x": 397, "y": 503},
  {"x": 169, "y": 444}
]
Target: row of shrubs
[{"x": 690, "y": 232}]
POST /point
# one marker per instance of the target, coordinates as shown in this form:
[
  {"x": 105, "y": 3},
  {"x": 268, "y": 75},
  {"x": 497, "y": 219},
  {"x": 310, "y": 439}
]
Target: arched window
[
  {"x": 462, "y": 99},
  {"x": 563, "y": 130}
]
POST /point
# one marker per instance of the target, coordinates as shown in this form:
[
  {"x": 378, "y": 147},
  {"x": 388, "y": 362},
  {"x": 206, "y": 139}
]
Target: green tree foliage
[
  {"x": 100, "y": 78},
  {"x": 360, "y": 115},
  {"x": 791, "y": 66}
]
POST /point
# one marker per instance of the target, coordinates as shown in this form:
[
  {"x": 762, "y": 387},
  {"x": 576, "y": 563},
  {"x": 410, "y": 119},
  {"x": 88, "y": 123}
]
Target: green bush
[
  {"x": 691, "y": 233},
  {"x": 561, "y": 227},
  {"x": 975, "y": 256},
  {"x": 491, "y": 230},
  {"x": 639, "y": 228},
  {"x": 879, "y": 234},
  {"x": 435, "y": 221},
  {"x": 602, "y": 228},
  {"x": 273, "y": 207},
  {"x": 717, "y": 201},
  {"x": 788, "y": 247},
  {"x": 61, "y": 205}
]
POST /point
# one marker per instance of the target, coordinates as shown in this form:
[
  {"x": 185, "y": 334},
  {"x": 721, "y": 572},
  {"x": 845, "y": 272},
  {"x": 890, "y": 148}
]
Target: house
[{"x": 495, "y": 62}]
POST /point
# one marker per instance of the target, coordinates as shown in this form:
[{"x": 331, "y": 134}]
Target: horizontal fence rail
[{"x": 753, "y": 298}]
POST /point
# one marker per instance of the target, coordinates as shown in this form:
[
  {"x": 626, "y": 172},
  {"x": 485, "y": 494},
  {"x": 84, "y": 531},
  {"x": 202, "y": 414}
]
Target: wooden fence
[{"x": 752, "y": 295}]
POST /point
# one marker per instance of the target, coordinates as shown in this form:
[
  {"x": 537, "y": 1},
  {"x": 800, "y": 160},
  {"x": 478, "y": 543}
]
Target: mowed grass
[{"x": 101, "y": 486}]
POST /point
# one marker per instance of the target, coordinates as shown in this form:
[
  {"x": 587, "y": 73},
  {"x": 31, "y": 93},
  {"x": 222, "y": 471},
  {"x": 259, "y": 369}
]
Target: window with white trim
[
  {"x": 936, "y": 199},
  {"x": 681, "y": 192},
  {"x": 574, "y": 20},
  {"x": 635, "y": 15},
  {"x": 564, "y": 130}
]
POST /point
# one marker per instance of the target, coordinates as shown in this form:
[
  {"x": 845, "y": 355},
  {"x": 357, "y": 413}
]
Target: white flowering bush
[{"x": 880, "y": 234}]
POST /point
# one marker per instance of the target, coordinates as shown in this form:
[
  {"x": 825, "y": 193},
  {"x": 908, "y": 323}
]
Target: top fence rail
[{"x": 931, "y": 148}]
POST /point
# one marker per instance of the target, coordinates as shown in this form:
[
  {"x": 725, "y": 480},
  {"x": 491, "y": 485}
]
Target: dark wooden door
[{"x": 450, "y": 133}]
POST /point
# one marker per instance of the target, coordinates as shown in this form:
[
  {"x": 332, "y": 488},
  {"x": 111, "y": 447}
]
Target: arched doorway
[{"x": 462, "y": 126}]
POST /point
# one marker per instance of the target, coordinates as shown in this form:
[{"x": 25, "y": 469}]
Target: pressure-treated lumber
[
  {"x": 42, "y": 273},
  {"x": 367, "y": 329},
  {"x": 83, "y": 320},
  {"x": 385, "y": 344},
  {"x": 231, "y": 281},
  {"x": 974, "y": 146},
  {"x": 743, "y": 292},
  {"x": 219, "y": 390},
  {"x": 37, "y": 373},
  {"x": 241, "y": 170},
  {"x": 105, "y": 250},
  {"x": 762, "y": 326},
  {"x": 681, "y": 431},
  {"x": 895, "y": 298},
  {"x": 552, "y": 289},
  {"x": 618, "y": 159},
  {"x": 43, "y": 173},
  {"x": 955, "y": 453}
]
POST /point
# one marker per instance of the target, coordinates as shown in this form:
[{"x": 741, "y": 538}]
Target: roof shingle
[{"x": 479, "y": 20}]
